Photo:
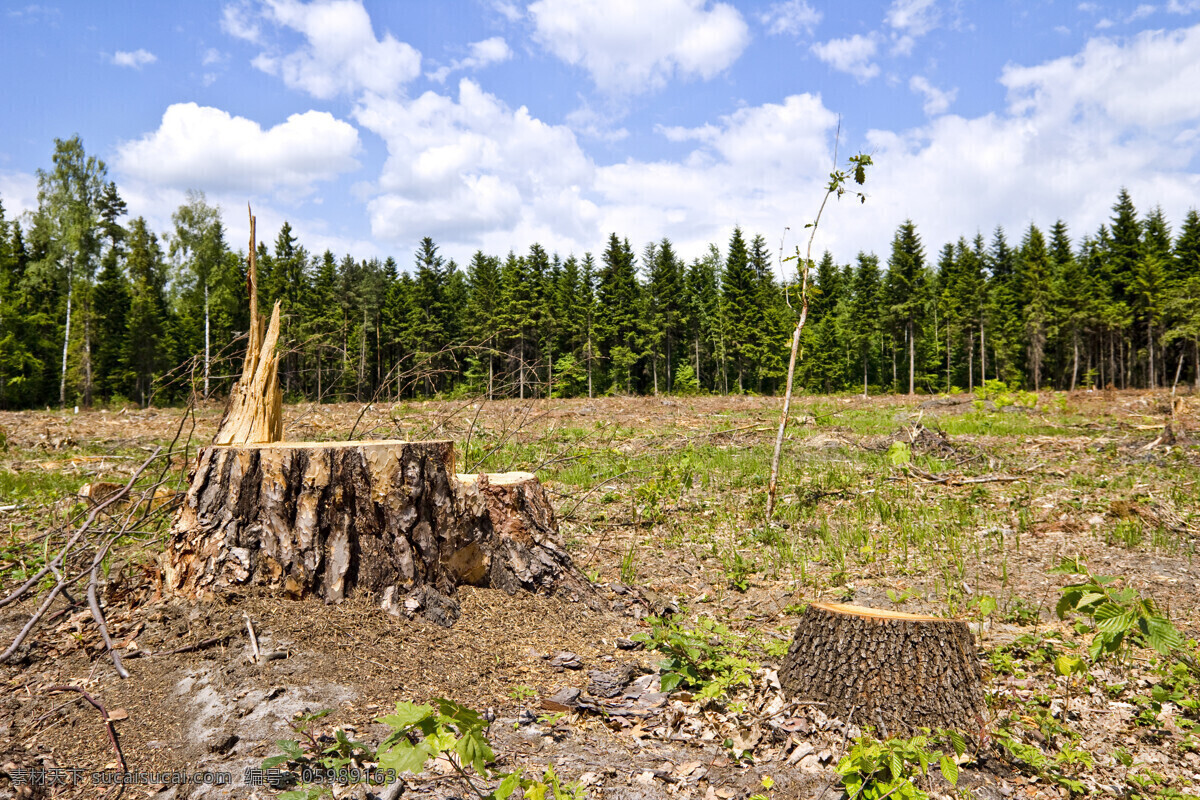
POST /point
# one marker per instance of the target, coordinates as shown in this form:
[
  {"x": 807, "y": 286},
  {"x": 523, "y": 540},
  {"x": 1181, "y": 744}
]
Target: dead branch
[{"x": 112, "y": 732}]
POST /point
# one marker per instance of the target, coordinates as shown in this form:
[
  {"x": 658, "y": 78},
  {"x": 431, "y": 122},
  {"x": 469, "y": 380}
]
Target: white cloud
[
  {"x": 910, "y": 20},
  {"x": 464, "y": 169},
  {"x": 209, "y": 149},
  {"x": 18, "y": 192},
  {"x": 936, "y": 100},
  {"x": 630, "y": 47},
  {"x": 586, "y": 121},
  {"x": 508, "y": 10},
  {"x": 238, "y": 21},
  {"x": 852, "y": 55},
  {"x": 1142, "y": 11},
  {"x": 1146, "y": 82},
  {"x": 792, "y": 16},
  {"x": 1103, "y": 23},
  {"x": 1183, "y": 6},
  {"x": 341, "y": 53},
  {"x": 135, "y": 59},
  {"x": 914, "y": 17},
  {"x": 212, "y": 56},
  {"x": 483, "y": 54}
]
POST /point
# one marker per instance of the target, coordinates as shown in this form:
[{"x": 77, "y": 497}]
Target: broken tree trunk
[
  {"x": 255, "y": 410},
  {"x": 897, "y": 672},
  {"x": 385, "y": 518}
]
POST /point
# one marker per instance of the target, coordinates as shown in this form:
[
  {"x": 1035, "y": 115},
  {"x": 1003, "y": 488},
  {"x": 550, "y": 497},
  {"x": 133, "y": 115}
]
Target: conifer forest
[{"x": 96, "y": 308}]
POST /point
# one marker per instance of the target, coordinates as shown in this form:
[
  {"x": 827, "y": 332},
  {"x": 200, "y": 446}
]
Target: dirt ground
[{"x": 660, "y": 501}]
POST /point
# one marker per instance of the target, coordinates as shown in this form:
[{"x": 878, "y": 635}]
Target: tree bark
[
  {"x": 385, "y": 518},
  {"x": 897, "y": 672}
]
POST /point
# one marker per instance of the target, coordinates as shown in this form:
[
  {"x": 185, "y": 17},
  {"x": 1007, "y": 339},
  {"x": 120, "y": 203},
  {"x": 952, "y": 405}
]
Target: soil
[{"x": 215, "y": 708}]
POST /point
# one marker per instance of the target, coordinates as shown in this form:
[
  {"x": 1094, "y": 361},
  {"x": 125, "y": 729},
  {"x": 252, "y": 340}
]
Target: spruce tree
[
  {"x": 907, "y": 284},
  {"x": 739, "y": 296},
  {"x": 1034, "y": 286}
]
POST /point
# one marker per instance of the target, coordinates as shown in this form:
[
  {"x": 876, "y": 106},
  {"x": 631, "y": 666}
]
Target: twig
[
  {"x": 94, "y": 605},
  {"x": 253, "y": 638},
  {"x": 112, "y": 732}
]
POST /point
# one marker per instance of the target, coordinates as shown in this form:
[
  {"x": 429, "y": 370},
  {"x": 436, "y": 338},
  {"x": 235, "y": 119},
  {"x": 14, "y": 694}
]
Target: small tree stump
[
  {"x": 386, "y": 518},
  {"x": 897, "y": 672}
]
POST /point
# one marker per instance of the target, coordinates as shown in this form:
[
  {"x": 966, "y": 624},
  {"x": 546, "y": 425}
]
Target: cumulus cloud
[
  {"x": 793, "y": 17},
  {"x": 852, "y": 56},
  {"x": 482, "y": 54},
  {"x": 1146, "y": 82},
  {"x": 1183, "y": 6},
  {"x": 341, "y": 54},
  {"x": 465, "y": 168},
  {"x": 936, "y": 100},
  {"x": 630, "y": 47},
  {"x": 910, "y": 20},
  {"x": 135, "y": 59},
  {"x": 209, "y": 149}
]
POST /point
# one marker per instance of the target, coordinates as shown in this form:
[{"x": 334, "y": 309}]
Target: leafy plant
[
  {"x": 1119, "y": 615},
  {"x": 443, "y": 728},
  {"x": 875, "y": 769},
  {"x": 708, "y": 660}
]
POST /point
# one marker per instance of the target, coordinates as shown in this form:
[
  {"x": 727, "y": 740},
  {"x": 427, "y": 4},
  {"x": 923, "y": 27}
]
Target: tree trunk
[
  {"x": 385, "y": 518},
  {"x": 206, "y": 345},
  {"x": 912, "y": 360},
  {"x": 982, "y": 356},
  {"x": 898, "y": 672},
  {"x": 62, "y": 386}
]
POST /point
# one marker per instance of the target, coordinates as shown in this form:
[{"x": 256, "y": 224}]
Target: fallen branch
[
  {"x": 112, "y": 732},
  {"x": 954, "y": 480}
]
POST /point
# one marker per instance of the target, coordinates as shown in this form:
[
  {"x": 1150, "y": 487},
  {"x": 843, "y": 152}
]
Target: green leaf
[
  {"x": 1116, "y": 624},
  {"x": 473, "y": 749},
  {"x": 899, "y": 454},
  {"x": 405, "y": 757},
  {"x": 1068, "y": 665},
  {"x": 949, "y": 770},
  {"x": 670, "y": 681},
  {"x": 507, "y": 786},
  {"x": 464, "y": 718},
  {"x": 895, "y": 765},
  {"x": 406, "y": 716},
  {"x": 291, "y": 747},
  {"x": 275, "y": 761}
]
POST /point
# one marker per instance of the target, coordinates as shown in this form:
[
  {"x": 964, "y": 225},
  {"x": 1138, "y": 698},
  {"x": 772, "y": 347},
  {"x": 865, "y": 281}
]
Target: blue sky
[{"x": 496, "y": 123}]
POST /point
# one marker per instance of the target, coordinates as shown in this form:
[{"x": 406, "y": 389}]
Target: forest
[{"x": 98, "y": 308}]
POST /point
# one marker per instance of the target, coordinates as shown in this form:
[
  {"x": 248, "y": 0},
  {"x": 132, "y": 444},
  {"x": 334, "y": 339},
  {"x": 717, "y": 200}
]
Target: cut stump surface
[{"x": 898, "y": 672}]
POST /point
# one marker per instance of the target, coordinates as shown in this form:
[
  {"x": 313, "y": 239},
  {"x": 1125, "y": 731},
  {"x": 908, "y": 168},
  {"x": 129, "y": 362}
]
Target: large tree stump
[
  {"x": 386, "y": 518},
  {"x": 897, "y": 672}
]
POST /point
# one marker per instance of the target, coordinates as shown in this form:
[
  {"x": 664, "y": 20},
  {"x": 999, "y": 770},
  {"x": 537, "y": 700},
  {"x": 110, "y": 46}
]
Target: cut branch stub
[
  {"x": 897, "y": 672},
  {"x": 385, "y": 518}
]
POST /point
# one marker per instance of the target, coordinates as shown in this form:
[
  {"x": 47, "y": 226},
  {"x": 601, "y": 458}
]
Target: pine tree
[
  {"x": 147, "y": 344},
  {"x": 1184, "y": 302},
  {"x": 865, "y": 326},
  {"x": 1034, "y": 285},
  {"x": 907, "y": 283},
  {"x": 738, "y": 296},
  {"x": 618, "y": 323}
]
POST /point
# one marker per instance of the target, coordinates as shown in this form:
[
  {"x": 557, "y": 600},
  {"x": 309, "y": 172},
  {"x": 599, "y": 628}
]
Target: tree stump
[
  {"x": 386, "y": 518},
  {"x": 329, "y": 519},
  {"x": 897, "y": 672}
]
